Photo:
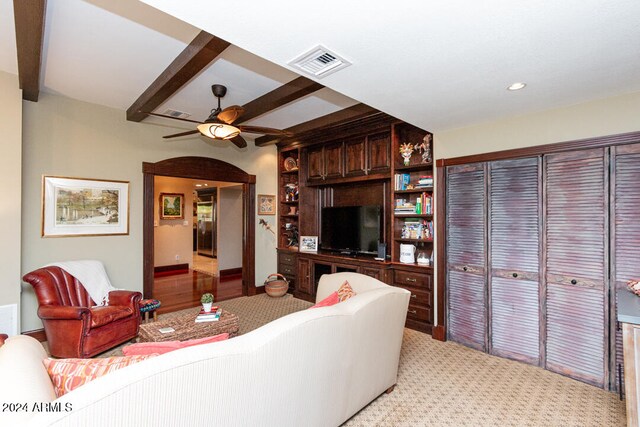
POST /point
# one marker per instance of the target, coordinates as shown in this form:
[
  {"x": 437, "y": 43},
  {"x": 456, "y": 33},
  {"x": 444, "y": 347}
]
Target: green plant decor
[{"x": 206, "y": 298}]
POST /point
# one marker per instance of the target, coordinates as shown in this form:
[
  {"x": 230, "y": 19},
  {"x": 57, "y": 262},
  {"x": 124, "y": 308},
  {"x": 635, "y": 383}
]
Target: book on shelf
[
  {"x": 212, "y": 316},
  {"x": 401, "y": 181},
  {"x": 423, "y": 205}
]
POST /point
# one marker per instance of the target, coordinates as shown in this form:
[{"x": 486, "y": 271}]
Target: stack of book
[
  {"x": 424, "y": 182},
  {"x": 211, "y": 316},
  {"x": 404, "y": 207}
]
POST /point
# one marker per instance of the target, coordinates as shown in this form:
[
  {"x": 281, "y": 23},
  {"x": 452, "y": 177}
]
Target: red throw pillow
[
  {"x": 69, "y": 374},
  {"x": 330, "y": 300},
  {"x": 345, "y": 291},
  {"x": 144, "y": 348}
]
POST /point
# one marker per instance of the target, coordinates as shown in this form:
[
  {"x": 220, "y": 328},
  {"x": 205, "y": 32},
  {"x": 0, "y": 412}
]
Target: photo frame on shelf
[
  {"x": 308, "y": 243},
  {"x": 84, "y": 207},
  {"x": 171, "y": 205},
  {"x": 266, "y": 204}
]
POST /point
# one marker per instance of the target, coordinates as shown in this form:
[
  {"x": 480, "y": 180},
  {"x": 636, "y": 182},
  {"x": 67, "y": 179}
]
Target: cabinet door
[
  {"x": 378, "y": 153},
  {"x": 576, "y": 186},
  {"x": 304, "y": 276},
  {"x": 354, "y": 157},
  {"x": 466, "y": 254},
  {"x": 625, "y": 230},
  {"x": 315, "y": 164},
  {"x": 333, "y": 161},
  {"x": 514, "y": 255}
]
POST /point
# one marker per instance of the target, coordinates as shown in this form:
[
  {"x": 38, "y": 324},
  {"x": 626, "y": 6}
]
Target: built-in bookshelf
[
  {"x": 412, "y": 188},
  {"x": 288, "y": 198}
]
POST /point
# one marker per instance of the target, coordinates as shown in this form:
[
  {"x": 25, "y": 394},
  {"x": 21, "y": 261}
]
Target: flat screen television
[{"x": 353, "y": 229}]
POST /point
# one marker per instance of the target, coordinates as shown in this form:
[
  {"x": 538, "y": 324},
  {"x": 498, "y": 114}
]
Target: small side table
[{"x": 149, "y": 306}]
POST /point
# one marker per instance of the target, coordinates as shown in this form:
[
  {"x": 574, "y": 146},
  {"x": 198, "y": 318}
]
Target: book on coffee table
[{"x": 212, "y": 316}]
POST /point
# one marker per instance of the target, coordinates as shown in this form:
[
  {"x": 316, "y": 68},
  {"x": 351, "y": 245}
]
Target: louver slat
[
  {"x": 515, "y": 247},
  {"x": 625, "y": 226},
  {"x": 576, "y": 214},
  {"x": 466, "y": 255}
]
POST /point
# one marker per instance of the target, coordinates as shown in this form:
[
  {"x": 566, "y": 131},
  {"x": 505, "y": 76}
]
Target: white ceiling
[{"x": 438, "y": 65}]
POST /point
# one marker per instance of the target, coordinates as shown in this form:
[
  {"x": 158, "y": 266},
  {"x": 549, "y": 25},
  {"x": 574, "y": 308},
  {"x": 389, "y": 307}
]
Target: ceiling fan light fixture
[
  {"x": 218, "y": 130},
  {"x": 517, "y": 86}
]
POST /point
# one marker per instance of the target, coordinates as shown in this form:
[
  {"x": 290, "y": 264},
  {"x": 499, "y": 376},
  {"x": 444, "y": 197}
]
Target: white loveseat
[{"x": 311, "y": 368}]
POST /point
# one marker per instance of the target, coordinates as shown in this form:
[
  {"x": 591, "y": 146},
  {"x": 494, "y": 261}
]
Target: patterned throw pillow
[
  {"x": 69, "y": 374},
  {"x": 345, "y": 292},
  {"x": 167, "y": 346},
  {"x": 328, "y": 301}
]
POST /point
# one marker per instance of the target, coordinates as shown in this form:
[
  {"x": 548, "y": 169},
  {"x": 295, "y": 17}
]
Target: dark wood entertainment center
[{"x": 355, "y": 164}]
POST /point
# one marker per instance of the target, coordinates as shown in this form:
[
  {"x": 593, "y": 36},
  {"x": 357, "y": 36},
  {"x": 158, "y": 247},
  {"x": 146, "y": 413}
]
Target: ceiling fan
[{"x": 219, "y": 124}]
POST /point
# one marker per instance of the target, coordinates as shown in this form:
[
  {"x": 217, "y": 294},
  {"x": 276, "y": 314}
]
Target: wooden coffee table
[{"x": 185, "y": 327}]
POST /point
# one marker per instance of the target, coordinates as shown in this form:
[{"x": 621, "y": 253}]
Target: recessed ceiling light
[{"x": 517, "y": 86}]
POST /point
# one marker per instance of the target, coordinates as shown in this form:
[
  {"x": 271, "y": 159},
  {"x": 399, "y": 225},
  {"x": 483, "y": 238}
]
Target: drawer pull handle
[
  {"x": 515, "y": 275},
  {"x": 465, "y": 268},
  {"x": 412, "y": 311},
  {"x": 414, "y": 296},
  {"x": 574, "y": 281},
  {"x": 411, "y": 280}
]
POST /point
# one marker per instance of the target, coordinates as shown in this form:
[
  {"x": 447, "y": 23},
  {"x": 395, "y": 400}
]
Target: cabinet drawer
[
  {"x": 409, "y": 278},
  {"x": 418, "y": 312},
  {"x": 288, "y": 259},
  {"x": 287, "y": 270},
  {"x": 419, "y": 296}
]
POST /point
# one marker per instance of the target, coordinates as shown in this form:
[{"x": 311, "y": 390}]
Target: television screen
[{"x": 351, "y": 228}]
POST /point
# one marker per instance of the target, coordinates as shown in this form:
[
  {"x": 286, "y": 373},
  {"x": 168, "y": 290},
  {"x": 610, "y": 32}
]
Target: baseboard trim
[
  {"x": 169, "y": 270},
  {"x": 37, "y": 334},
  {"x": 439, "y": 333},
  {"x": 228, "y": 273}
]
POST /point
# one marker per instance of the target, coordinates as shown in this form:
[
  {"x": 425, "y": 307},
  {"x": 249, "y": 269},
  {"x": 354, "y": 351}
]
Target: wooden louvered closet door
[
  {"x": 625, "y": 229},
  {"x": 576, "y": 231},
  {"x": 514, "y": 258},
  {"x": 466, "y": 255}
]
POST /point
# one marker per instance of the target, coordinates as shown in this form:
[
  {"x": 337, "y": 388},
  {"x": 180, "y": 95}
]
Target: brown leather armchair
[{"x": 75, "y": 328}]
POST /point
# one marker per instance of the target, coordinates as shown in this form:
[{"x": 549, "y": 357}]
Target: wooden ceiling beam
[
  {"x": 29, "y": 16},
  {"x": 355, "y": 112},
  {"x": 203, "y": 49},
  {"x": 295, "y": 89}
]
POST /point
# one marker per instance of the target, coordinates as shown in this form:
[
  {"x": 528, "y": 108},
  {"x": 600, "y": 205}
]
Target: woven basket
[{"x": 276, "y": 285}]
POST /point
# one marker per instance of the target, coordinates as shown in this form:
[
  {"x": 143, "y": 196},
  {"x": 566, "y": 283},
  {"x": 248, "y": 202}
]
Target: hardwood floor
[{"x": 184, "y": 290}]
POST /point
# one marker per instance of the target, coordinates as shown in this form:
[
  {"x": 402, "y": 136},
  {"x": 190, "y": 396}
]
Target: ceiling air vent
[
  {"x": 175, "y": 113},
  {"x": 319, "y": 62}
]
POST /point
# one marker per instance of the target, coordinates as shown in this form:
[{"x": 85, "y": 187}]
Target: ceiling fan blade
[
  {"x": 263, "y": 130},
  {"x": 239, "y": 141},
  {"x": 175, "y": 135},
  {"x": 230, "y": 114},
  {"x": 170, "y": 117}
]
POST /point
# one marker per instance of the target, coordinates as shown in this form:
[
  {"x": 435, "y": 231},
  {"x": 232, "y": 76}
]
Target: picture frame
[
  {"x": 308, "y": 244},
  {"x": 266, "y": 204},
  {"x": 171, "y": 205},
  {"x": 76, "y": 207}
]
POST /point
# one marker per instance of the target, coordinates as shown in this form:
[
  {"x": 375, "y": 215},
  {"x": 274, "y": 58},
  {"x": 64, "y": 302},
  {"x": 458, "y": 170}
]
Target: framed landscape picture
[
  {"x": 308, "y": 243},
  {"x": 84, "y": 207},
  {"x": 266, "y": 204},
  {"x": 171, "y": 206}
]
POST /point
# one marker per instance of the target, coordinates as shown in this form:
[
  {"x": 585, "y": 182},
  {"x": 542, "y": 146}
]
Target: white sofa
[{"x": 311, "y": 368}]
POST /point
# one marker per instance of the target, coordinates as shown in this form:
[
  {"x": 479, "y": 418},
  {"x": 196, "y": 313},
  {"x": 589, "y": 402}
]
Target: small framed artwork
[
  {"x": 84, "y": 207},
  {"x": 171, "y": 206},
  {"x": 308, "y": 243},
  {"x": 266, "y": 204}
]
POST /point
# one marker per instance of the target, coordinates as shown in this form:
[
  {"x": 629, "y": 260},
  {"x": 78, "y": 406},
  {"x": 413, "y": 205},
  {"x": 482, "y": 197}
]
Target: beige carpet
[{"x": 446, "y": 384}]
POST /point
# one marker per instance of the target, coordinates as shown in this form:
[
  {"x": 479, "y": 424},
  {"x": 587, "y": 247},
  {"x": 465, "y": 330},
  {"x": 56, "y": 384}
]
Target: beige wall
[
  {"x": 603, "y": 117},
  {"x": 173, "y": 237},
  {"x": 10, "y": 208},
  {"x": 230, "y": 228},
  {"x": 65, "y": 137}
]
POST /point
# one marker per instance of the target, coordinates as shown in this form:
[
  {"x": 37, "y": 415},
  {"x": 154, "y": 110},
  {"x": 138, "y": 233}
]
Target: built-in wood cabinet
[
  {"x": 288, "y": 267},
  {"x": 367, "y": 156}
]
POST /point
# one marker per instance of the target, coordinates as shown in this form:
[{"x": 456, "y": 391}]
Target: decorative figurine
[
  {"x": 406, "y": 150},
  {"x": 425, "y": 147}
]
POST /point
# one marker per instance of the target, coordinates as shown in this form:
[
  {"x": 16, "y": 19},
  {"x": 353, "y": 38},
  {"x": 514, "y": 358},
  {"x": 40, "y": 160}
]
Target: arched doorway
[{"x": 203, "y": 168}]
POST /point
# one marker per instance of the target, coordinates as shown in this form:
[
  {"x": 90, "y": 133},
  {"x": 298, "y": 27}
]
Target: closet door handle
[
  {"x": 465, "y": 268},
  {"x": 574, "y": 281},
  {"x": 515, "y": 275}
]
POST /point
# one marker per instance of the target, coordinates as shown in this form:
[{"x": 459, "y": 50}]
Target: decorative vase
[
  {"x": 207, "y": 306},
  {"x": 405, "y": 152}
]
